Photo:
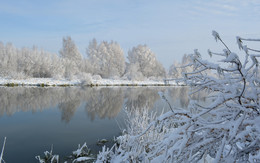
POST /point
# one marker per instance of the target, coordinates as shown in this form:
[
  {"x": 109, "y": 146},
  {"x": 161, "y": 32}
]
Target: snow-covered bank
[
  {"x": 118, "y": 82},
  {"x": 77, "y": 82},
  {"x": 38, "y": 82}
]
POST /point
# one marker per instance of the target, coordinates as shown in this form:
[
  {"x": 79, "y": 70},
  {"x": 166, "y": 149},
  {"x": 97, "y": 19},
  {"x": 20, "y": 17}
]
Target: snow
[
  {"x": 118, "y": 82},
  {"x": 38, "y": 81},
  {"x": 77, "y": 82},
  {"x": 215, "y": 35},
  {"x": 81, "y": 159},
  {"x": 231, "y": 58}
]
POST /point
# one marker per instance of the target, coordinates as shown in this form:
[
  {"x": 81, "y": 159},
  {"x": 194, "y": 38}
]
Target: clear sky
[{"x": 170, "y": 28}]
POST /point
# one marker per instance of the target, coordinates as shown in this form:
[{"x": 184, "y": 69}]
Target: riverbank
[{"x": 44, "y": 82}]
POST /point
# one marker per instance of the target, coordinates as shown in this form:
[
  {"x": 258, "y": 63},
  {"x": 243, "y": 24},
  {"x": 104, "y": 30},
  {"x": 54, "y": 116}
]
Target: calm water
[{"x": 34, "y": 119}]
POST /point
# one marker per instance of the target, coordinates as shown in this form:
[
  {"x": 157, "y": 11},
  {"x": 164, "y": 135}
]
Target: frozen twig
[{"x": 2, "y": 153}]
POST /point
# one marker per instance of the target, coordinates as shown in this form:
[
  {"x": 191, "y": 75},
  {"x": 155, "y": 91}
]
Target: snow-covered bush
[
  {"x": 82, "y": 154},
  {"x": 133, "y": 145},
  {"x": 226, "y": 129},
  {"x": 48, "y": 157}
]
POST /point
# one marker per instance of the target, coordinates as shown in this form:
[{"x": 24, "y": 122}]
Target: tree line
[{"x": 104, "y": 60}]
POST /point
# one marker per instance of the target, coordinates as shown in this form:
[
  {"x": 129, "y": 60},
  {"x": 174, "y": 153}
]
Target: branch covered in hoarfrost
[{"x": 2, "y": 153}]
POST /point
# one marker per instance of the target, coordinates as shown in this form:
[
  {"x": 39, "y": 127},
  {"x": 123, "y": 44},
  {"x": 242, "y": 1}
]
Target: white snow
[
  {"x": 119, "y": 82},
  {"x": 81, "y": 159},
  {"x": 231, "y": 58},
  {"x": 92, "y": 82},
  {"x": 38, "y": 81}
]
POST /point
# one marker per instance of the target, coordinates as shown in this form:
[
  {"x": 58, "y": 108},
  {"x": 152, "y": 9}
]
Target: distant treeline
[{"x": 104, "y": 60}]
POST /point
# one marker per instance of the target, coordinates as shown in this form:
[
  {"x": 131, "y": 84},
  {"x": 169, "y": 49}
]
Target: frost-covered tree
[
  {"x": 93, "y": 57},
  {"x": 8, "y": 60},
  {"x": 107, "y": 58},
  {"x": 69, "y": 50},
  {"x": 28, "y": 62},
  {"x": 142, "y": 59},
  {"x": 72, "y": 59},
  {"x": 42, "y": 63},
  {"x": 39, "y": 63}
]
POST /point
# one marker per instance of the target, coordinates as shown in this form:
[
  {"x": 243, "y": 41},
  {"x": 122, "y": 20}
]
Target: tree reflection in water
[
  {"x": 104, "y": 102},
  {"x": 139, "y": 98},
  {"x": 33, "y": 99},
  {"x": 179, "y": 96},
  {"x": 100, "y": 102}
]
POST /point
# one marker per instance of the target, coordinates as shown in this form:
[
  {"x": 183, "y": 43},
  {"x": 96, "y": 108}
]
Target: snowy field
[{"x": 77, "y": 82}]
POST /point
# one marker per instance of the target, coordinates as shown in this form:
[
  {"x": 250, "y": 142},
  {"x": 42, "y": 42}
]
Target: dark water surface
[{"x": 33, "y": 119}]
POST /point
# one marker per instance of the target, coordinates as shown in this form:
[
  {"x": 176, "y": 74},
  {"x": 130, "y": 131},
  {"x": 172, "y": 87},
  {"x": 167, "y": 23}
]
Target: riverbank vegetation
[{"x": 102, "y": 60}]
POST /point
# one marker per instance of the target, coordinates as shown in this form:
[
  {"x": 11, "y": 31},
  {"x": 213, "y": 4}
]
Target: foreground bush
[{"x": 225, "y": 130}]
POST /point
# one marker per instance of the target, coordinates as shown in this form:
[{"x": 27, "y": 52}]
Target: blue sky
[{"x": 170, "y": 28}]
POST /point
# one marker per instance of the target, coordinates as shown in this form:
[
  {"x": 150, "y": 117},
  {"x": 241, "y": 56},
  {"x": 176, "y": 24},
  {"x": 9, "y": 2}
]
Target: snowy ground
[
  {"x": 75, "y": 82},
  {"x": 38, "y": 82}
]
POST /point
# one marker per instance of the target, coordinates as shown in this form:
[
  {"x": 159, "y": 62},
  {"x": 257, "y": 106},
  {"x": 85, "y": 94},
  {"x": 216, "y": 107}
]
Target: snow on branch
[
  {"x": 2, "y": 153},
  {"x": 237, "y": 100}
]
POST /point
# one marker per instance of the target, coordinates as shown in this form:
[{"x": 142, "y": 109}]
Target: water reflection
[
  {"x": 68, "y": 108},
  {"x": 17, "y": 99},
  {"x": 179, "y": 96},
  {"x": 138, "y": 98},
  {"x": 104, "y": 102},
  {"x": 98, "y": 102}
]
